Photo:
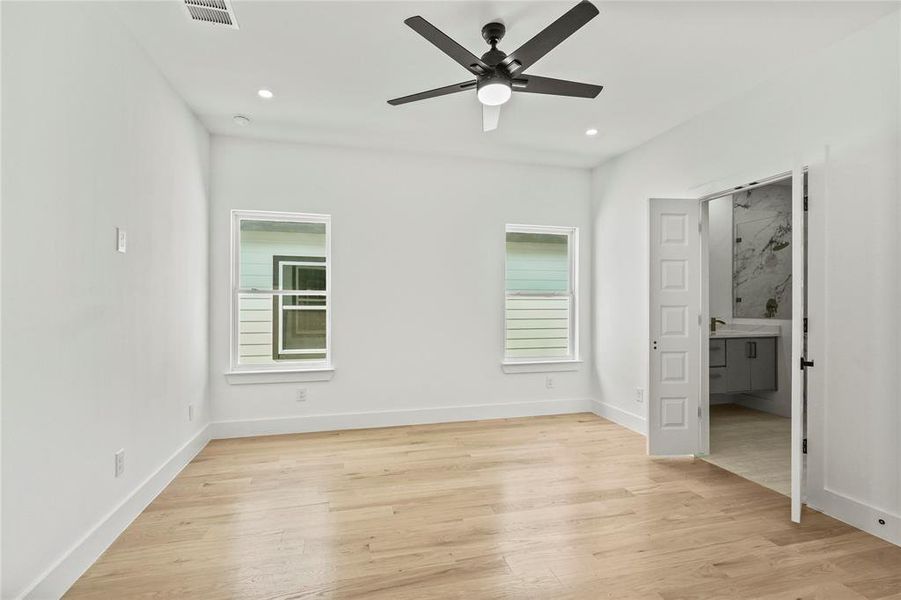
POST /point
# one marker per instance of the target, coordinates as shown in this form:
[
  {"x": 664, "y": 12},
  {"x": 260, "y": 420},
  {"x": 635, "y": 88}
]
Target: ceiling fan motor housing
[
  {"x": 495, "y": 77},
  {"x": 493, "y": 57}
]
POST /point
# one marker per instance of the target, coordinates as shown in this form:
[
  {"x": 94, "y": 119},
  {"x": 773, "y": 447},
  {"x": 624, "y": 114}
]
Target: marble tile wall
[{"x": 762, "y": 256}]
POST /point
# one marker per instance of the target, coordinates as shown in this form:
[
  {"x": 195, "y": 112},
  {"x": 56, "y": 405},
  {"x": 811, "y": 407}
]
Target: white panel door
[
  {"x": 799, "y": 304},
  {"x": 675, "y": 308}
]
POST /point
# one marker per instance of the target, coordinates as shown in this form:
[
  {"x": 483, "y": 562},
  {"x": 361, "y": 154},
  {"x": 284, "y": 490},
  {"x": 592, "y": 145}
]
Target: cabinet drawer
[
  {"x": 717, "y": 353},
  {"x": 718, "y": 380}
]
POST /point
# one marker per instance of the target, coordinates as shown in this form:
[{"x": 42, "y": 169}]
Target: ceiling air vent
[{"x": 217, "y": 12}]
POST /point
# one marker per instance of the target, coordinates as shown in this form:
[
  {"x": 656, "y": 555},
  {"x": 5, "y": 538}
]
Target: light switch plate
[
  {"x": 120, "y": 240},
  {"x": 120, "y": 462}
]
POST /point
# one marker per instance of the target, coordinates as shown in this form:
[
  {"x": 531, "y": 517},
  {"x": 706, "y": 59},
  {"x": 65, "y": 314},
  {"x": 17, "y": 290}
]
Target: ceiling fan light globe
[{"x": 494, "y": 93}]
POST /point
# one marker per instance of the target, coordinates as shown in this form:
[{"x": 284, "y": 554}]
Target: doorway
[
  {"x": 750, "y": 300},
  {"x": 730, "y": 388}
]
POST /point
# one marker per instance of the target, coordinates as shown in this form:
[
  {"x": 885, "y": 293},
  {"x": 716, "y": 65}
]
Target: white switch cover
[
  {"x": 639, "y": 395},
  {"x": 120, "y": 240},
  {"x": 302, "y": 395},
  {"x": 549, "y": 382}
]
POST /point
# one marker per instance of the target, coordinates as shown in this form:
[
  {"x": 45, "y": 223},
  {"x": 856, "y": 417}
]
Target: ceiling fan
[{"x": 499, "y": 74}]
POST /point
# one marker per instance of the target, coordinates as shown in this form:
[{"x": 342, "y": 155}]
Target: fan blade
[
  {"x": 490, "y": 116},
  {"x": 464, "y": 57},
  {"x": 442, "y": 91},
  {"x": 548, "y": 39},
  {"x": 558, "y": 87}
]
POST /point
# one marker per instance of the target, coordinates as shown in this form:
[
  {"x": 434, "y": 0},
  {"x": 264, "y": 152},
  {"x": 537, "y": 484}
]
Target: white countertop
[{"x": 738, "y": 330}]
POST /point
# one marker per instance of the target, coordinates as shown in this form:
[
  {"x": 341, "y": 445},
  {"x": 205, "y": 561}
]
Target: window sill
[
  {"x": 540, "y": 366},
  {"x": 280, "y": 376}
]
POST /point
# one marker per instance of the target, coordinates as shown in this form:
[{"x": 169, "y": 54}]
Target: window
[
  {"x": 541, "y": 299},
  {"x": 280, "y": 299}
]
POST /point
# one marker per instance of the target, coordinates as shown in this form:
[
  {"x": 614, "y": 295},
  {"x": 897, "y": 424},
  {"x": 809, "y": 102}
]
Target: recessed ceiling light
[
  {"x": 264, "y": 93},
  {"x": 591, "y": 131},
  {"x": 241, "y": 120}
]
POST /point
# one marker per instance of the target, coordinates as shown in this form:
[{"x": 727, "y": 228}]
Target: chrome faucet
[{"x": 713, "y": 322}]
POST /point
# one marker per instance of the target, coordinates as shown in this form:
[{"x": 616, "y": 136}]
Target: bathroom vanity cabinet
[{"x": 742, "y": 365}]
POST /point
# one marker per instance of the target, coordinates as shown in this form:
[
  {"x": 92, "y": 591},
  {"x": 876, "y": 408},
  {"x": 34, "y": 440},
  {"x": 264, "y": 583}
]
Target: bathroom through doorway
[{"x": 742, "y": 366}]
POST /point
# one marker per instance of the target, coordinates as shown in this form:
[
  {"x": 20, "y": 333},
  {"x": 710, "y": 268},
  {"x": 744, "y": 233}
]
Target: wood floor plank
[{"x": 562, "y": 507}]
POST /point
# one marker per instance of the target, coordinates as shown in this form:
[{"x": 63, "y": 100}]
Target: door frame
[
  {"x": 704, "y": 429},
  {"x": 799, "y": 175}
]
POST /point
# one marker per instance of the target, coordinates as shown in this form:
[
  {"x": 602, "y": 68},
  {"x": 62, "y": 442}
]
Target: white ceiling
[{"x": 333, "y": 65}]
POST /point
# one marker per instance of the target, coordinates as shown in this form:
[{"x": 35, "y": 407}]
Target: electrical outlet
[
  {"x": 190, "y": 412},
  {"x": 549, "y": 382},
  {"x": 639, "y": 395},
  {"x": 302, "y": 395},
  {"x": 120, "y": 463},
  {"x": 120, "y": 240}
]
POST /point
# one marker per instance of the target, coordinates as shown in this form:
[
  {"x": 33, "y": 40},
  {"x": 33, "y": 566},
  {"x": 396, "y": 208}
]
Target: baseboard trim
[
  {"x": 620, "y": 417},
  {"x": 59, "y": 577},
  {"x": 858, "y": 514},
  {"x": 392, "y": 418}
]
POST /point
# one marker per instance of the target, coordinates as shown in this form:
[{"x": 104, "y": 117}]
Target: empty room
[{"x": 432, "y": 300}]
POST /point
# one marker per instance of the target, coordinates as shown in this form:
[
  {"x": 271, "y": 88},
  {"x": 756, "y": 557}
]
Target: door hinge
[
  {"x": 804, "y": 446},
  {"x": 805, "y": 202},
  {"x": 699, "y": 413},
  {"x": 805, "y": 363},
  {"x": 805, "y": 324},
  {"x": 700, "y": 228}
]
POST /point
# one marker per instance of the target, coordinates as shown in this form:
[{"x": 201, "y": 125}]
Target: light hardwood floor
[
  {"x": 562, "y": 507},
  {"x": 753, "y": 444}
]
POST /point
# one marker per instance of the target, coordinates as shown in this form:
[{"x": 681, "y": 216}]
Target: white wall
[
  {"x": 417, "y": 283},
  {"x": 846, "y": 97},
  {"x": 720, "y": 253},
  {"x": 101, "y": 350}
]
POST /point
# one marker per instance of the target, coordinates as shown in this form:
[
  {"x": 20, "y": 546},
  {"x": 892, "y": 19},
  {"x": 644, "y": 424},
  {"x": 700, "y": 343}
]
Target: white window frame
[
  {"x": 286, "y": 366},
  {"x": 282, "y": 308},
  {"x": 572, "y": 248}
]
